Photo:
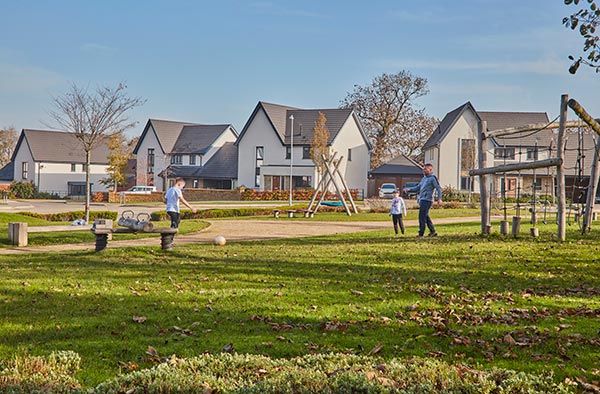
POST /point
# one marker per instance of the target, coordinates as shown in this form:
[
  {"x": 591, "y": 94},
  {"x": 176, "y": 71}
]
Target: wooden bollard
[
  {"x": 516, "y": 225},
  {"x": 534, "y": 231},
  {"x": 17, "y": 234},
  {"x": 504, "y": 227}
]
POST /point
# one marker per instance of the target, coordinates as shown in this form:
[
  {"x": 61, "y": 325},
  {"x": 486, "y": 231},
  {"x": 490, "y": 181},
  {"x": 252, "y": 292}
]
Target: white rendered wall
[
  {"x": 150, "y": 141},
  {"x": 355, "y": 172},
  {"x": 259, "y": 133}
]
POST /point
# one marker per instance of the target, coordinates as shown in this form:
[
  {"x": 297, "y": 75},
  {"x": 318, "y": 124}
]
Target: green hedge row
[
  {"x": 235, "y": 212},
  {"x": 73, "y": 215},
  {"x": 240, "y": 374}
]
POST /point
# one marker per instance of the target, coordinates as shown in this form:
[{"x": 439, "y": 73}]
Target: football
[{"x": 220, "y": 240}]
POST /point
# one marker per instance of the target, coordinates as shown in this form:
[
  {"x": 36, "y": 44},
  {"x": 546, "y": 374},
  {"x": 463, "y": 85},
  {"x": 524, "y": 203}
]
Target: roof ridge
[
  {"x": 512, "y": 112},
  {"x": 279, "y": 105},
  {"x": 173, "y": 121}
]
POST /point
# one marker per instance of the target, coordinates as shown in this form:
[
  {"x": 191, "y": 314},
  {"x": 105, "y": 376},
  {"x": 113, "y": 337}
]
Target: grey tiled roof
[
  {"x": 167, "y": 132},
  {"x": 7, "y": 172},
  {"x": 222, "y": 165},
  {"x": 503, "y": 120},
  {"x": 198, "y": 138},
  {"x": 60, "y": 147},
  {"x": 304, "y": 122},
  {"x": 278, "y": 116},
  {"x": 401, "y": 165}
]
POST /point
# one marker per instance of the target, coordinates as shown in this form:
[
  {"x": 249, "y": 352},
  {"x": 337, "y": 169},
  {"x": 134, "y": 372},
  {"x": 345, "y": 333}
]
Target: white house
[
  {"x": 452, "y": 150},
  {"x": 265, "y": 147},
  {"x": 204, "y": 155},
  {"x": 55, "y": 162}
]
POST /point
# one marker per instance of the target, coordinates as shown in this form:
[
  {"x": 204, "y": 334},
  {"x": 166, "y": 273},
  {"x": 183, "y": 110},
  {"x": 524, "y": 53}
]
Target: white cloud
[
  {"x": 549, "y": 65},
  {"x": 97, "y": 49}
]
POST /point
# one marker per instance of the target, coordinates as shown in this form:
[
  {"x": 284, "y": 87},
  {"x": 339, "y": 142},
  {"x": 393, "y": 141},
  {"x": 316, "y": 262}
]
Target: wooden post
[
  {"x": 327, "y": 180},
  {"x": 591, "y": 191},
  {"x": 483, "y": 179},
  {"x": 504, "y": 227},
  {"x": 17, "y": 234},
  {"x": 337, "y": 188},
  {"x": 560, "y": 171}
]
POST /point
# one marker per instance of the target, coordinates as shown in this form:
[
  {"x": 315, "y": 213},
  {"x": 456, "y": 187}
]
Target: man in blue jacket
[{"x": 425, "y": 188}]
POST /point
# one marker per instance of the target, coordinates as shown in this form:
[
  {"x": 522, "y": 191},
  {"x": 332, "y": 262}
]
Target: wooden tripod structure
[{"x": 332, "y": 171}]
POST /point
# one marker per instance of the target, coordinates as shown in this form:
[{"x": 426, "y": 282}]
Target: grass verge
[{"x": 521, "y": 304}]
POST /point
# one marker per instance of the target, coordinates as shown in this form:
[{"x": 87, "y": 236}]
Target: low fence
[{"x": 189, "y": 195}]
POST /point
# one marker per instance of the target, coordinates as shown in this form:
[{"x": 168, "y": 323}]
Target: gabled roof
[
  {"x": 167, "y": 132},
  {"x": 7, "y": 173},
  {"x": 222, "y": 165},
  {"x": 401, "y": 165},
  {"x": 59, "y": 147},
  {"x": 446, "y": 125},
  {"x": 304, "y": 122},
  {"x": 503, "y": 120},
  {"x": 198, "y": 138}
]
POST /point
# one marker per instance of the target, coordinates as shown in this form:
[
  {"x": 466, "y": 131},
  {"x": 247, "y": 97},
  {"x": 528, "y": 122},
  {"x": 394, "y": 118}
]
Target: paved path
[{"x": 245, "y": 230}]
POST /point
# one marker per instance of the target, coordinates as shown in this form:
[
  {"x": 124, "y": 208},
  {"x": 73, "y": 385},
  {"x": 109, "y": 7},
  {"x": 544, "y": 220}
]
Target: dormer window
[
  {"x": 192, "y": 160},
  {"x": 177, "y": 159}
]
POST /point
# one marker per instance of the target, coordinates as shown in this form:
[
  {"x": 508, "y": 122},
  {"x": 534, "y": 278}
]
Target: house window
[
  {"x": 150, "y": 169},
  {"x": 83, "y": 168},
  {"x": 301, "y": 182},
  {"x": 260, "y": 156},
  {"x": 532, "y": 153},
  {"x": 537, "y": 183},
  {"x": 192, "y": 160},
  {"x": 176, "y": 159},
  {"x": 306, "y": 152},
  {"x": 349, "y": 154},
  {"x": 195, "y": 183},
  {"x": 466, "y": 183},
  {"x": 73, "y": 167},
  {"x": 288, "y": 152},
  {"x": 504, "y": 153},
  {"x": 24, "y": 170}
]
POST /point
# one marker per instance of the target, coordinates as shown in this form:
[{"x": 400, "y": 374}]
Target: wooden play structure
[
  {"x": 330, "y": 176},
  {"x": 557, "y": 162}
]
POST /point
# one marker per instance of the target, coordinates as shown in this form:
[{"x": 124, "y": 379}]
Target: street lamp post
[{"x": 291, "y": 157}]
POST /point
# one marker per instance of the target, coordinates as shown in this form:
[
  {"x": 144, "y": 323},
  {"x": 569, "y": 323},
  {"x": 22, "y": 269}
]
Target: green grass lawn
[{"x": 529, "y": 305}]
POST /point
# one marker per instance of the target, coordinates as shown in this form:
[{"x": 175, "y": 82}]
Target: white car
[
  {"x": 141, "y": 190},
  {"x": 387, "y": 190}
]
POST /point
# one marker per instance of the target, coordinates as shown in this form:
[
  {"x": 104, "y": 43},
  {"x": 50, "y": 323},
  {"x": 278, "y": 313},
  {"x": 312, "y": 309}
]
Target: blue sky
[{"x": 212, "y": 61}]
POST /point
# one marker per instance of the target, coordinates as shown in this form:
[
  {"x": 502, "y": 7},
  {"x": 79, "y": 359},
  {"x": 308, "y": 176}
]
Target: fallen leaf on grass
[
  {"x": 356, "y": 292},
  {"x": 139, "y": 319},
  {"x": 509, "y": 340},
  {"x": 376, "y": 349}
]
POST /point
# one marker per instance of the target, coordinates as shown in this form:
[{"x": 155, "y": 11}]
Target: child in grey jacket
[{"x": 398, "y": 208}]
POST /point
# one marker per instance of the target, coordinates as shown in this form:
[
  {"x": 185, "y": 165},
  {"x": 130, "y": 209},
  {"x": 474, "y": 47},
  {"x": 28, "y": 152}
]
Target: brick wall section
[{"x": 189, "y": 194}]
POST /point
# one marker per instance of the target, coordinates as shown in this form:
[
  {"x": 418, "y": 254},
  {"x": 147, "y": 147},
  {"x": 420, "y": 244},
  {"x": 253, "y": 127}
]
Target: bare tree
[
  {"x": 8, "y": 140},
  {"x": 586, "y": 20},
  {"x": 93, "y": 117},
  {"x": 410, "y": 133},
  {"x": 382, "y": 105}
]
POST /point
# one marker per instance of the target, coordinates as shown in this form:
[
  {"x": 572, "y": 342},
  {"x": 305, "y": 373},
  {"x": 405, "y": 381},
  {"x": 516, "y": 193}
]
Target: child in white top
[{"x": 398, "y": 208}]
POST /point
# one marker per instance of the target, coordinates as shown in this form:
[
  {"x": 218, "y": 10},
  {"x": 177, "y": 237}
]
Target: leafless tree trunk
[{"x": 93, "y": 117}]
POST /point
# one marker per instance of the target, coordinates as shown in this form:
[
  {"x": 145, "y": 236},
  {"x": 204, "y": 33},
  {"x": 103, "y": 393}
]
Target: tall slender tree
[
  {"x": 93, "y": 116},
  {"x": 120, "y": 153},
  {"x": 320, "y": 143}
]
